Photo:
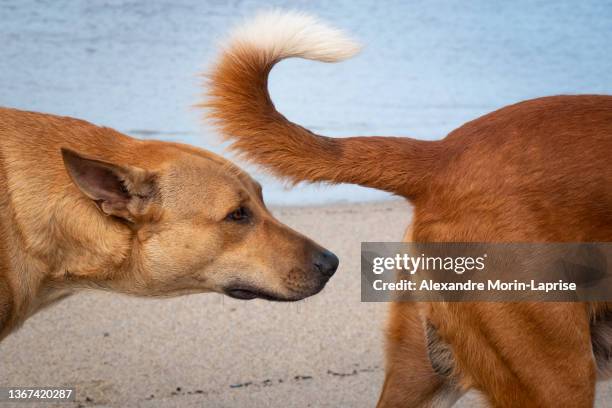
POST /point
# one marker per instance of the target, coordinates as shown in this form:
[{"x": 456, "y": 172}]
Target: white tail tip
[{"x": 284, "y": 34}]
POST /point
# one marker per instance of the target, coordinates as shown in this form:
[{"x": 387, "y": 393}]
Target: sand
[{"x": 211, "y": 351}]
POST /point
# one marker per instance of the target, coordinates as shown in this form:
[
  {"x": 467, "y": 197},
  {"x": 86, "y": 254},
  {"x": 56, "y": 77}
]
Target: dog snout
[{"x": 326, "y": 262}]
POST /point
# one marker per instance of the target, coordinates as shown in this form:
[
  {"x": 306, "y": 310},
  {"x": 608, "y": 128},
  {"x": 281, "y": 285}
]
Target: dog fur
[
  {"x": 85, "y": 207},
  {"x": 536, "y": 171}
]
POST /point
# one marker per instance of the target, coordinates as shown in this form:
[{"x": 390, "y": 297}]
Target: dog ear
[{"x": 118, "y": 190}]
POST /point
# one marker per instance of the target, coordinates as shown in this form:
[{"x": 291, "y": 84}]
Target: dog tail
[{"x": 239, "y": 104}]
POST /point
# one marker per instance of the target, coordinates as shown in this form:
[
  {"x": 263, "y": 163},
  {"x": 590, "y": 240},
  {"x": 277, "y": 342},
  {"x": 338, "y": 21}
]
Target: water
[{"x": 427, "y": 67}]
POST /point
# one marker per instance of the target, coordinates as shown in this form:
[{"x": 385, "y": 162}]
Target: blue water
[{"x": 427, "y": 66}]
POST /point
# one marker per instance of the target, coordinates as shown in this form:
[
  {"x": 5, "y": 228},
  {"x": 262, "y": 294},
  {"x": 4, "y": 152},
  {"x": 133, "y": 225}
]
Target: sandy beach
[{"x": 211, "y": 351}]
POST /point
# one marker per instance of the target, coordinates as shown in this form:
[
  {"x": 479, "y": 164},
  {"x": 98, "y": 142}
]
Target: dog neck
[{"x": 55, "y": 245}]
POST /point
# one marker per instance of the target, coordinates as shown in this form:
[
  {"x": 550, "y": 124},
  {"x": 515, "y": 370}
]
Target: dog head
[{"x": 198, "y": 223}]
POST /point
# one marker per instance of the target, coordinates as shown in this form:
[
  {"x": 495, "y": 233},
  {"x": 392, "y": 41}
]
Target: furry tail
[{"x": 239, "y": 104}]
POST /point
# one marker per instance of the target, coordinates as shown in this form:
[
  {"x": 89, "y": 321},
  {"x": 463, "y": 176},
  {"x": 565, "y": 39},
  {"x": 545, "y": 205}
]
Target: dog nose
[{"x": 326, "y": 262}]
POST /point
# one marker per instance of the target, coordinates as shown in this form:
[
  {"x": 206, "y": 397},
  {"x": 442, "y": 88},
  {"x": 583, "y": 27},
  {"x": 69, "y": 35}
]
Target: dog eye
[{"x": 239, "y": 214}]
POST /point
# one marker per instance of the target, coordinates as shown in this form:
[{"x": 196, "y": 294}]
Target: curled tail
[{"x": 239, "y": 104}]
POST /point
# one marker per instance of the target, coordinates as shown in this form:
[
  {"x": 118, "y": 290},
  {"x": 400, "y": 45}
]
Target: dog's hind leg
[
  {"x": 522, "y": 354},
  {"x": 411, "y": 380}
]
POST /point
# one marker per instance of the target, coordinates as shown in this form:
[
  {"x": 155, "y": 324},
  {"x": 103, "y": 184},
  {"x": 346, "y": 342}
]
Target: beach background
[{"x": 427, "y": 67}]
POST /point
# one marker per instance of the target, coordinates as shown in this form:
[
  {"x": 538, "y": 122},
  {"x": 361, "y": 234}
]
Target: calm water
[{"x": 427, "y": 67}]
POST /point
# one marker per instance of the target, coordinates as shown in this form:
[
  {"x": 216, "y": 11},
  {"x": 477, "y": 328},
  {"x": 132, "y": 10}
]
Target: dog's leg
[
  {"x": 522, "y": 354},
  {"x": 410, "y": 379},
  {"x": 529, "y": 358}
]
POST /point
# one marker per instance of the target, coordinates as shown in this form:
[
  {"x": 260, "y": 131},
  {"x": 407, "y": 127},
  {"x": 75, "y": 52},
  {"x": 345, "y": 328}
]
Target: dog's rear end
[{"x": 537, "y": 171}]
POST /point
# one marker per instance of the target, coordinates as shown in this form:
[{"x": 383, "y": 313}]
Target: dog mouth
[
  {"x": 248, "y": 293},
  {"x": 245, "y": 291}
]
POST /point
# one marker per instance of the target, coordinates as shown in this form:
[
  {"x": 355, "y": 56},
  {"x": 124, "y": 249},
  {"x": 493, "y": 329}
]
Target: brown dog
[
  {"x": 537, "y": 171},
  {"x": 87, "y": 207}
]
